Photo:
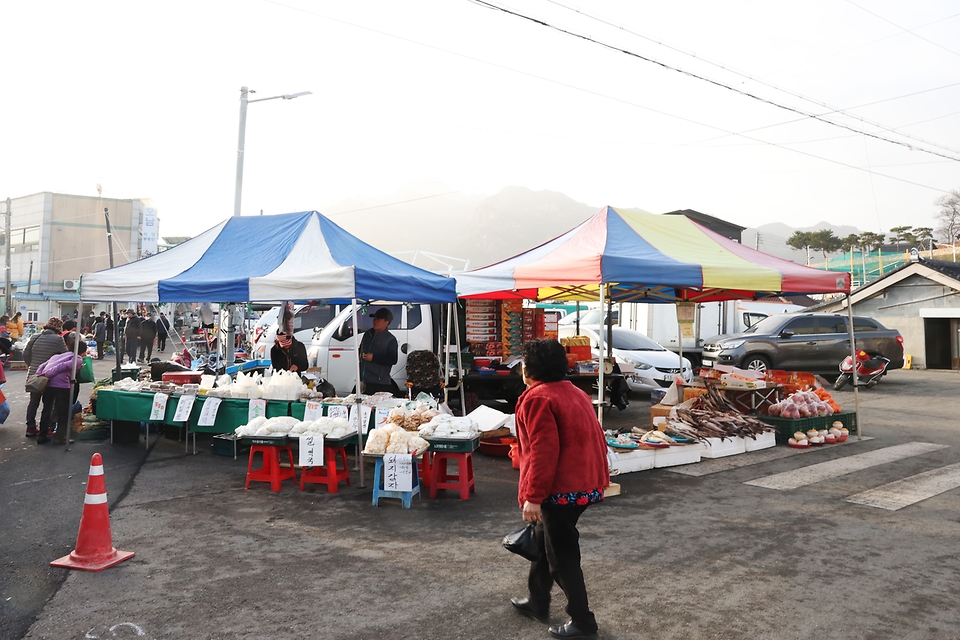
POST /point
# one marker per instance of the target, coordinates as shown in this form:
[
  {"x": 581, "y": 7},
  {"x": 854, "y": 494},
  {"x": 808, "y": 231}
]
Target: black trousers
[
  {"x": 55, "y": 413},
  {"x": 559, "y": 562},
  {"x": 161, "y": 342}
]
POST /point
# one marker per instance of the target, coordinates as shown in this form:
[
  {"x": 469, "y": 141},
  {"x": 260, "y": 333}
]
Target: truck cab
[{"x": 332, "y": 347}]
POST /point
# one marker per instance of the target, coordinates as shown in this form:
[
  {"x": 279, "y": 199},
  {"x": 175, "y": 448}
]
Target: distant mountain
[{"x": 441, "y": 232}]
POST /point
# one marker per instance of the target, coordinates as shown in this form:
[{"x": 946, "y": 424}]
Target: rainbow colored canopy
[{"x": 643, "y": 257}]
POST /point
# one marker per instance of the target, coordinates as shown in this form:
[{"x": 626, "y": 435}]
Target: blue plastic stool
[{"x": 406, "y": 497}]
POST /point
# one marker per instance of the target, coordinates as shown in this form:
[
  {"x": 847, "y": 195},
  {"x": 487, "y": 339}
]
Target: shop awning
[
  {"x": 642, "y": 257},
  {"x": 292, "y": 256}
]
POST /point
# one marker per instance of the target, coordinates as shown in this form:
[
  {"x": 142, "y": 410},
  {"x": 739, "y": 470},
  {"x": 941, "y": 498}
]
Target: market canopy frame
[
  {"x": 641, "y": 257},
  {"x": 293, "y": 256},
  {"x": 622, "y": 255}
]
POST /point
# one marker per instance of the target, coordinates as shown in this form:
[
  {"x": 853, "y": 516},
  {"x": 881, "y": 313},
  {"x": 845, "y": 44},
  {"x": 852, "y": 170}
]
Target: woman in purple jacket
[{"x": 57, "y": 394}]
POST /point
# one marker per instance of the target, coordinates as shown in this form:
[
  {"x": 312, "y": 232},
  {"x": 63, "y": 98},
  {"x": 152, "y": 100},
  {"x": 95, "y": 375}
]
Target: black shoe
[
  {"x": 43, "y": 440},
  {"x": 524, "y": 606},
  {"x": 569, "y": 630}
]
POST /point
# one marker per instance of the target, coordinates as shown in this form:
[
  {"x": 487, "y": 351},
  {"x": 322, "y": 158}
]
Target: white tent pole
[
  {"x": 356, "y": 357},
  {"x": 603, "y": 295},
  {"x": 446, "y": 354},
  {"x": 456, "y": 332},
  {"x": 853, "y": 376}
]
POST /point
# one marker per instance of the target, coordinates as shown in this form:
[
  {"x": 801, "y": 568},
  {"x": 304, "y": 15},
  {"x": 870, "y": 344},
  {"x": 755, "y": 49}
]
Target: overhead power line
[{"x": 717, "y": 83}]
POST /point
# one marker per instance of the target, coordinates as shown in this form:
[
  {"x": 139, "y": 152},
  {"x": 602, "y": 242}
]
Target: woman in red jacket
[{"x": 563, "y": 470}]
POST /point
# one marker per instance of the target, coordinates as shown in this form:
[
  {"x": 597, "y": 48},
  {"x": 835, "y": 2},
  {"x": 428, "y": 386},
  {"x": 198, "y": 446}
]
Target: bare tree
[{"x": 949, "y": 219}]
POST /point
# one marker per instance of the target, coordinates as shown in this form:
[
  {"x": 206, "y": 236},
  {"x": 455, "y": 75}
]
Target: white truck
[{"x": 659, "y": 321}]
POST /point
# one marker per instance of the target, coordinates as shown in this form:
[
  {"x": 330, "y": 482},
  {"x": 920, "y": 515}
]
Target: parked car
[
  {"x": 815, "y": 342},
  {"x": 653, "y": 366}
]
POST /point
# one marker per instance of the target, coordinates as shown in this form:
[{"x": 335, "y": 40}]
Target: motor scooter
[{"x": 869, "y": 370}]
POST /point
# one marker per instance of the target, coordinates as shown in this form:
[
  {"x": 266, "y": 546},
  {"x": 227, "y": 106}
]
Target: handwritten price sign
[
  {"x": 398, "y": 472},
  {"x": 159, "y": 407},
  {"x": 311, "y": 451}
]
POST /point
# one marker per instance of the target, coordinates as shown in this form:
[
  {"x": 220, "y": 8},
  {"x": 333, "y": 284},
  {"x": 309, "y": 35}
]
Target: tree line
[{"x": 825, "y": 241}]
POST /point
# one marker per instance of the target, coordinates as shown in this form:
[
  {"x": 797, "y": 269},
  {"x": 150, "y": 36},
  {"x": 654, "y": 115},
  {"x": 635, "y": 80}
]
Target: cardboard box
[{"x": 659, "y": 410}]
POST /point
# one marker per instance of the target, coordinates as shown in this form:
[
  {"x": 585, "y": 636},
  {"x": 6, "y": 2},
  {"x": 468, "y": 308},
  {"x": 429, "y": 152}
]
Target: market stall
[
  {"x": 623, "y": 255},
  {"x": 295, "y": 256}
]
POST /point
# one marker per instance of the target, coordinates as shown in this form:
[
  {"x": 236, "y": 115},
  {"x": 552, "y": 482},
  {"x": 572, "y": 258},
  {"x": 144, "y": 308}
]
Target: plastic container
[
  {"x": 763, "y": 441},
  {"x": 717, "y": 448},
  {"x": 632, "y": 461},
  {"x": 513, "y": 455},
  {"x": 677, "y": 455}
]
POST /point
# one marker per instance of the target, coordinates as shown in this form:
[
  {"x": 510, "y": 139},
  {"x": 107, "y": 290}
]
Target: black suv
[{"x": 815, "y": 342}]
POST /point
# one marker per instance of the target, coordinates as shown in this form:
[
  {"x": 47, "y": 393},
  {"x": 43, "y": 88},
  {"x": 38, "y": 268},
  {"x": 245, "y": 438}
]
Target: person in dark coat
[
  {"x": 148, "y": 333},
  {"x": 99, "y": 335},
  {"x": 288, "y": 354},
  {"x": 563, "y": 470},
  {"x": 41, "y": 347},
  {"x": 378, "y": 351},
  {"x": 131, "y": 336},
  {"x": 163, "y": 330}
]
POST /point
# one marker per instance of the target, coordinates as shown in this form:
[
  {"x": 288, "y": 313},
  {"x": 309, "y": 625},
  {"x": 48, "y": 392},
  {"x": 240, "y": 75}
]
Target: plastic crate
[
  {"x": 182, "y": 377},
  {"x": 786, "y": 427},
  {"x": 454, "y": 446}
]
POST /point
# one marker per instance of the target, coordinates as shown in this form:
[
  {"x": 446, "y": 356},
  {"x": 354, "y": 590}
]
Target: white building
[{"x": 55, "y": 237}]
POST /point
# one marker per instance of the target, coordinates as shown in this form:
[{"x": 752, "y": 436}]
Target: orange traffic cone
[{"x": 95, "y": 551}]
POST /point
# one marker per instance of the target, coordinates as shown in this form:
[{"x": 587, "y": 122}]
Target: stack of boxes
[
  {"x": 511, "y": 326},
  {"x": 483, "y": 328},
  {"x": 546, "y": 324}
]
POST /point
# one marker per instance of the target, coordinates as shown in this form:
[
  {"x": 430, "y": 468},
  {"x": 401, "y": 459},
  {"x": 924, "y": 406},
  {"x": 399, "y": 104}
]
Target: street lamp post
[{"x": 244, "y": 101}]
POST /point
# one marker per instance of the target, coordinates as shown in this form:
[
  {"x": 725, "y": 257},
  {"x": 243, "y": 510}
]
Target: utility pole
[
  {"x": 116, "y": 318},
  {"x": 7, "y": 294},
  {"x": 757, "y": 242}
]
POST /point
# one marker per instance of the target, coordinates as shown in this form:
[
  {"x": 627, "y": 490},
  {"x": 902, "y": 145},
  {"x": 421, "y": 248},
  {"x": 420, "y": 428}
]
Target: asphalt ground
[{"x": 674, "y": 556}]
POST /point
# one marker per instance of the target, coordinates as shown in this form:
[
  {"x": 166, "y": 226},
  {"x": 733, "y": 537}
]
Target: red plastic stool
[
  {"x": 329, "y": 474},
  {"x": 440, "y": 479},
  {"x": 425, "y": 468},
  {"x": 270, "y": 469}
]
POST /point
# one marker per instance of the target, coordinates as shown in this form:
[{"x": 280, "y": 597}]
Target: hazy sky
[{"x": 143, "y": 97}]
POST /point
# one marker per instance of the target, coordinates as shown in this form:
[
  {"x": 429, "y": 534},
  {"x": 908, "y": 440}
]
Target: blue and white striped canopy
[{"x": 292, "y": 256}]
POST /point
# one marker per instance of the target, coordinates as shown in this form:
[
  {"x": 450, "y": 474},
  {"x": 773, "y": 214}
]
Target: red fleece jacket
[{"x": 562, "y": 448}]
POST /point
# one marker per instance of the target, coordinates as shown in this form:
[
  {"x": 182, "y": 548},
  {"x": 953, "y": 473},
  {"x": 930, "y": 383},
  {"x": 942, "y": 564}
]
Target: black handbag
[{"x": 523, "y": 542}]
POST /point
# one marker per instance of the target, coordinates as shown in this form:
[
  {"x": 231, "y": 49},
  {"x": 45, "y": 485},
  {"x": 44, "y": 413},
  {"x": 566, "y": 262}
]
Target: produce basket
[{"x": 786, "y": 427}]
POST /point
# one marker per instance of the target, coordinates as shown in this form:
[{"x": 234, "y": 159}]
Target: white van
[{"x": 332, "y": 347}]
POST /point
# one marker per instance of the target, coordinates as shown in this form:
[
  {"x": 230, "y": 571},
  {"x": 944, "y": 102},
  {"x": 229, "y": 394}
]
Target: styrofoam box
[
  {"x": 676, "y": 455},
  {"x": 763, "y": 441},
  {"x": 630, "y": 461},
  {"x": 717, "y": 448}
]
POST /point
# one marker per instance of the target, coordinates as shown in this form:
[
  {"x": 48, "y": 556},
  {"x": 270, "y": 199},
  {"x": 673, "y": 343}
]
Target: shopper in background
[
  {"x": 563, "y": 470},
  {"x": 109, "y": 324},
  {"x": 131, "y": 336},
  {"x": 163, "y": 330},
  {"x": 56, "y": 397},
  {"x": 68, "y": 326},
  {"x": 99, "y": 335},
  {"x": 288, "y": 354},
  {"x": 4, "y": 319},
  {"x": 39, "y": 349},
  {"x": 378, "y": 350},
  {"x": 148, "y": 333},
  {"x": 15, "y": 327}
]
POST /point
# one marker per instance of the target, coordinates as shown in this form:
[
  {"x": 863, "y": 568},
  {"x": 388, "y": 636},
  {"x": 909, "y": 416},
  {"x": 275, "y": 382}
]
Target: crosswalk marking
[
  {"x": 903, "y": 493},
  {"x": 842, "y": 466},
  {"x": 708, "y": 466}
]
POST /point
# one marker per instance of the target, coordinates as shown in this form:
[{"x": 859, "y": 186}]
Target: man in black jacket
[
  {"x": 148, "y": 332},
  {"x": 131, "y": 336}
]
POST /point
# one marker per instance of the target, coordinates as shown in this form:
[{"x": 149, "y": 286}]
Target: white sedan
[{"x": 653, "y": 366}]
